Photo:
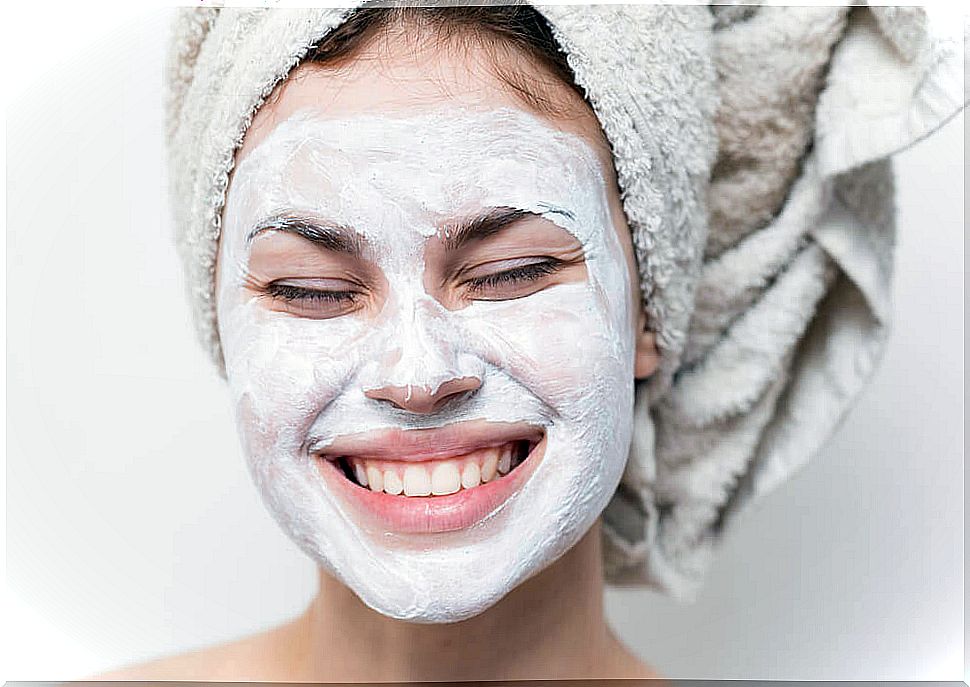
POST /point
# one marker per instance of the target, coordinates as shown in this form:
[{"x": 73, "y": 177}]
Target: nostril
[
  {"x": 462, "y": 385},
  {"x": 420, "y": 399},
  {"x": 415, "y": 399},
  {"x": 456, "y": 389}
]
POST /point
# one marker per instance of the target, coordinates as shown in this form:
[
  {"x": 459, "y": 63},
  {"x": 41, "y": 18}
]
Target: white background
[{"x": 133, "y": 530}]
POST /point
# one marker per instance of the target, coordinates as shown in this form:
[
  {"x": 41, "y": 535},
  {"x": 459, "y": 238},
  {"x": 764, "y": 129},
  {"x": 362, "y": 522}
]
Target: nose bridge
[
  {"x": 421, "y": 350},
  {"x": 421, "y": 367}
]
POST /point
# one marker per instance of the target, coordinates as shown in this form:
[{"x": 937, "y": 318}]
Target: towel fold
[{"x": 793, "y": 302}]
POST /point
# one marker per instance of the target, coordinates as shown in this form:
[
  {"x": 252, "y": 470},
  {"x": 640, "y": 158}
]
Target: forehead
[
  {"x": 438, "y": 162},
  {"x": 399, "y": 181}
]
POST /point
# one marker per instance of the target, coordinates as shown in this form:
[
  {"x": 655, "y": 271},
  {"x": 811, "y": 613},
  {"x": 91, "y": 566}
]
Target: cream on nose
[
  {"x": 422, "y": 399},
  {"x": 420, "y": 367}
]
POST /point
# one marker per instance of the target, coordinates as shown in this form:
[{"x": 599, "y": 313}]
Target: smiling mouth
[
  {"x": 421, "y": 481},
  {"x": 437, "y": 476}
]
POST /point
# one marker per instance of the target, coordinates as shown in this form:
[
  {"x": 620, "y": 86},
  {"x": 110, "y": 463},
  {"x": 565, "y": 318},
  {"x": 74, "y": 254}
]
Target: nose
[{"x": 422, "y": 399}]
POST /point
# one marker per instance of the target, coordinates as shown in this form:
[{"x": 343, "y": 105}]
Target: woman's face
[{"x": 429, "y": 319}]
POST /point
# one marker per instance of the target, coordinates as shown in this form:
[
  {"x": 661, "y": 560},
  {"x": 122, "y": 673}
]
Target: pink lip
[{"x": 428, "y": 514}]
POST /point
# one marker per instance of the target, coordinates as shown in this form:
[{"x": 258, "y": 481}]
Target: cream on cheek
[{"x": 561, "y": 358}]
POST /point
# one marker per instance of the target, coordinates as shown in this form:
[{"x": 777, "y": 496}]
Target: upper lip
[{"x": 429, "y": 444}]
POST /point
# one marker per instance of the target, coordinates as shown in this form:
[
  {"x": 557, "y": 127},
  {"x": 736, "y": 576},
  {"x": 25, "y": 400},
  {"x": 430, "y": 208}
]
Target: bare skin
[{"x": 550, "y": 627}]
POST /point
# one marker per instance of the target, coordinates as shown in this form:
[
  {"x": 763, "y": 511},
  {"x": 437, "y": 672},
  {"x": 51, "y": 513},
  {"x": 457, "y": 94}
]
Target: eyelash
[
  {"x": 289, "y": 293},
  {"x": 516, "y": 275}
]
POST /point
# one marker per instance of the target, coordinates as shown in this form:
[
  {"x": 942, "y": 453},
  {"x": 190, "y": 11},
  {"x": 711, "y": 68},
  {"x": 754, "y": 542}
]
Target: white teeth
[
  {"x": 505, "y": 462},
  {"x": 392, "y": 483},
  {"x": 489, "y": 466},
  {"x": 445, "y": 479},
  {"x": 374, "y": 479},
  {"x": 361, "y": 474},
  {"x": 416, "y": 481},
  {"x": 438, "y": 477},
  {"x": 471, "y": 476}
]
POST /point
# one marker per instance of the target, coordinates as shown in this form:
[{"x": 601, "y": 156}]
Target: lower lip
[{"x": 428, "y": 514}]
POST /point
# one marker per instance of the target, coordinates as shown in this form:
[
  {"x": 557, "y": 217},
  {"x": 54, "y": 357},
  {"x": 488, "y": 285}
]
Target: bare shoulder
[{"x": 262, "y": 657}]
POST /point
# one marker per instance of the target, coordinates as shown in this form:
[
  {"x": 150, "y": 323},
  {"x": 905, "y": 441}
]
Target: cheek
[
  {"x": 557, "y": 342},
  {"x": 285, "y": 369}
]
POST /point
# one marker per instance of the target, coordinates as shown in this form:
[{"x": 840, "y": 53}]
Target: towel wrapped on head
[{"x": 751, "y": 146}]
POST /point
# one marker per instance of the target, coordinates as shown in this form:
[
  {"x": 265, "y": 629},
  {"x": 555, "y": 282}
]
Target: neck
[{"x": 549, "y": 627}]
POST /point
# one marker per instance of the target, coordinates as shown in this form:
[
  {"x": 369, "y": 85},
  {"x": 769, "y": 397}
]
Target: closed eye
[
  {"x": 314, "y": 303},
  {"x": 520, "y": 280},
  {"x": 288, "y": 292}
]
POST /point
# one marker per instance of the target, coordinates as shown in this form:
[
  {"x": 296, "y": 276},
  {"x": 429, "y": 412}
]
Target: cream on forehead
[
  {"x": 560, "y": 358},
  {"x": 437, "y": 163}
]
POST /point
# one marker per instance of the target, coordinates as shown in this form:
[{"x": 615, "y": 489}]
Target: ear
[{"x": 647, "y": 355}]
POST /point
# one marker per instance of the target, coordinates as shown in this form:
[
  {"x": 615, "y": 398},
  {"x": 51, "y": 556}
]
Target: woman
[{"x": 483, "y": 329}]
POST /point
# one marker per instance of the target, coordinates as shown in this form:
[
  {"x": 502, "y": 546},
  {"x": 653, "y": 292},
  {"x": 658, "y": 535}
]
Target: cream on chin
[{"x": 560, "y": 359}]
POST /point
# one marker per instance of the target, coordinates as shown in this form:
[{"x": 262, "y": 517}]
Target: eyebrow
[
  {"x": 488, "y": 224},
  {"x": 330, "y": 235}
]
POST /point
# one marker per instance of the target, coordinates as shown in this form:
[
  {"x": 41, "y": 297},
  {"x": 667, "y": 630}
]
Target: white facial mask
[{"x": 560, "y": 359}]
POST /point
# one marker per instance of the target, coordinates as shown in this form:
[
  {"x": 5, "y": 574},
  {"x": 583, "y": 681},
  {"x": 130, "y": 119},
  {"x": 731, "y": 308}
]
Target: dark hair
[{"x": 498, "y": 28}]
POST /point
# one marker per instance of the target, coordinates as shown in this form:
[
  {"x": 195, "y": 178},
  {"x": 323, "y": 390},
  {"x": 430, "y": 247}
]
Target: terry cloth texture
[{"x": 751, "y": 147}]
